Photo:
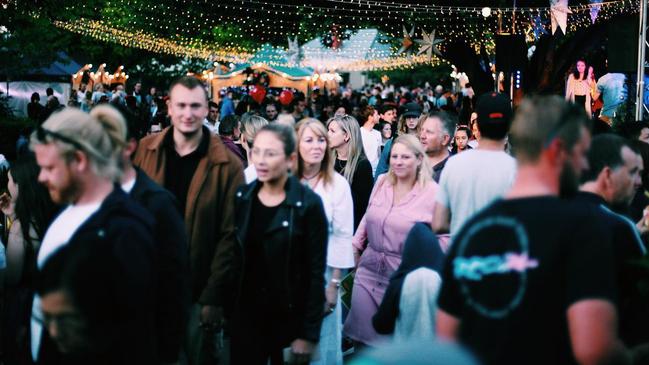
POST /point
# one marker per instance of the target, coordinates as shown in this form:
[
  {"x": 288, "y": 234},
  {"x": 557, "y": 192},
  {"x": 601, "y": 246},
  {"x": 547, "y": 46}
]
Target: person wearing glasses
[
  {"x": 280, "y": 258},
  {"x": 78, "y": 158},
  {"x": 350, "y": 161}
]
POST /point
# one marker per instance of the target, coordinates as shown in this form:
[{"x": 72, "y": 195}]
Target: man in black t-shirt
[
  {"x": 530, "y": 279},
  {"x": 611, "y": 181}
]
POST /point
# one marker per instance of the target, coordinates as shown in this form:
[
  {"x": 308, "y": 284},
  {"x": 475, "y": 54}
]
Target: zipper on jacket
[{"x": 288, "y": 264}]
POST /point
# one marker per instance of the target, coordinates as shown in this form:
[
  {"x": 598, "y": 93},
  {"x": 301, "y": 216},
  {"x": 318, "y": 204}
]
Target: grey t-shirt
[{"x": 473, "y": 179}]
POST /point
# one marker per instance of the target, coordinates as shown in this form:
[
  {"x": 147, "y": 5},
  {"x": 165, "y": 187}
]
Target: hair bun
[{"x": 112, "y": 121}]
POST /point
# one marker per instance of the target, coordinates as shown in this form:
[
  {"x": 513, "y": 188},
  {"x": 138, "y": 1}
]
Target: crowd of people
[{"x": 151, "y": 229}]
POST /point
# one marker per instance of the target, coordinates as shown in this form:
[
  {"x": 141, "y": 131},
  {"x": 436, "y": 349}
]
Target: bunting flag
[{"x": 559, "y": 11}]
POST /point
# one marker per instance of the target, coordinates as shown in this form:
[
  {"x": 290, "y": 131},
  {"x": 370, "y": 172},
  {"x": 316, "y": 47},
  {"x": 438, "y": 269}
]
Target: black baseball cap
[{"x": 493, "y": 107}]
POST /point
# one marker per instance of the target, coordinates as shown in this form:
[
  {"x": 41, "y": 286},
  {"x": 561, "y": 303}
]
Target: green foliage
[
  {"x": 5, "y": 109},
  {"x": 416, "y": 76},
  {"x": 10, "y": 129},
  {"x": 29, "y": 42}
]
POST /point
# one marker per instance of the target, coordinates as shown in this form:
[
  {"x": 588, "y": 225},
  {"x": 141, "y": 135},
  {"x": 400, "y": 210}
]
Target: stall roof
[
  {"x": 58, "y": 68},
  {"x": 363, "y": 44},
  {"x": 273, "y": 59}
]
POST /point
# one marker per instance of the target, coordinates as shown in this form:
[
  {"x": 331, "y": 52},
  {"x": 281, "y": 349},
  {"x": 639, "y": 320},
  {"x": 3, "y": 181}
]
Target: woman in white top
[
  {"x": 581, "y": 87},
  {"x": 249, "y": 128},
  {"x": 315, "y": 168}
]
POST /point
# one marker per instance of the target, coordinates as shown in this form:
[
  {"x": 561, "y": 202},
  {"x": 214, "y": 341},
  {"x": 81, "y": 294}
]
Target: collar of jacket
[
  {"x": 116, "y": 201},
  {"x": 144, "y": 184},
  {"x": 217, "y": 152},
  {"x": 292, "y": 189}
]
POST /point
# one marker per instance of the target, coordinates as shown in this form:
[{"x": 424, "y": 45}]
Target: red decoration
[
  {"x": 286, "y": 97},
  {"x": 258, "y": 93}
]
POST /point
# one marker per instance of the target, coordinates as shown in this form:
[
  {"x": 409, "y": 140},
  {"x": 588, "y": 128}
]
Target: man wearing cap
[
  {"x": 407, "y": 124},
  {"x": 473, "y": 179}
]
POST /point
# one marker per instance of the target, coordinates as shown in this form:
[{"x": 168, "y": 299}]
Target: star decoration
[
  {"x": 429, "y": 44},
  {"x": 407, "y": 42},
  {"x": 293, "y": 52},
  {"x": 559, "y": 11}
]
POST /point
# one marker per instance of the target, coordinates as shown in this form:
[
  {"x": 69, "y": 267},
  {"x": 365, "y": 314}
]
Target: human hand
[
  {"x": 7, "y": 205},
  {"x": 357, "y": 257},
  {"x": 302, "y": 351},
  {"x": 331, "y": 295},
  {"x": 211, "y": 318}
]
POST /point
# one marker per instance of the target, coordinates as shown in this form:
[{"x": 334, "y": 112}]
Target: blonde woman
[
  {"x": 409, "y": 123},
  {"x": 315, "y": 169},
  {"x": 350, "y": 161},
  {"x": 400, "y": 198},
  {"x": 249, "y": 128}
]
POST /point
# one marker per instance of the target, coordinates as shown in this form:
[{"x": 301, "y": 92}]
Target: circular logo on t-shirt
[{"x": 491, "y": 265}]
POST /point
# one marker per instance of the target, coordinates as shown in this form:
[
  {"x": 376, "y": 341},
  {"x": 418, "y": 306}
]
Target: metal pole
[{"x": 642, "y": 32}]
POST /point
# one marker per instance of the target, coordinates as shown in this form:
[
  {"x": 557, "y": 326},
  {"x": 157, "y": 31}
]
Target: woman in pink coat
[{"x": 400, "y": 198}]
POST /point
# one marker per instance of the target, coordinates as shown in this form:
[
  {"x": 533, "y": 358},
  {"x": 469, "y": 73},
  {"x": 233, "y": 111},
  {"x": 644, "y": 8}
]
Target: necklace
[{"x": 312, "y": 177}]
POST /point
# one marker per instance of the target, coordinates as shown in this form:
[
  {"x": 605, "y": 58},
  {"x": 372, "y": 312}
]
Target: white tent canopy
[
  {"x": 362, "y": 45},
  {"x": 20, "y": 93}
]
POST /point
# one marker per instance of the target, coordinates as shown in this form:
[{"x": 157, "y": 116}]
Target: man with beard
[
  {"x": 271, "y": 111},
  {"x": 610, "y": 183},
  {"x": 530, "y": 279},
  {"x": 473, "y": 179},
  {"x": 78, "y": 156},
  {"x": 435, "y": 135}
]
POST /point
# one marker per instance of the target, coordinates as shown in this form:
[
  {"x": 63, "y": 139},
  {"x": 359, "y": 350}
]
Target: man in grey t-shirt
[{"x": 473, "y": 179}]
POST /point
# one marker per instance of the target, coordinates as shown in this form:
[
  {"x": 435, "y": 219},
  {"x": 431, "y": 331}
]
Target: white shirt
[
  {"x": 372, "y": 146},
  {"x": 214, "y": 129},
  {"x": 473, "y": 179},
  {"x": 57, "y": 236},
  {"x": 339, "y": 208},
  {"x": 250, "y": 173},
  {"x": 129, "y": 185}
]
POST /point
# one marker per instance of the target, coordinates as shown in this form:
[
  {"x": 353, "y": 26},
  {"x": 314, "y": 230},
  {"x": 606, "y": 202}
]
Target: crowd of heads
[{"x": 75, "y": 149}]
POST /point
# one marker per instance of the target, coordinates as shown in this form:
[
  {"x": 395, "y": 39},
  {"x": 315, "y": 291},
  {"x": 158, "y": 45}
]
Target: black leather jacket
[{"x": 296, "y": 249}]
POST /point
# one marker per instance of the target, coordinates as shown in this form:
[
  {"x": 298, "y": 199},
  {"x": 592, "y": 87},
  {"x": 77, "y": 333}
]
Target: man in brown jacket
[{"x": 203, "y": 175}]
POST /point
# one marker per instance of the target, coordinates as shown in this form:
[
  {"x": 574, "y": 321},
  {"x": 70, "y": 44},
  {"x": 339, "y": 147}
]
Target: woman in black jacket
[{"x": 281, "y": 229}]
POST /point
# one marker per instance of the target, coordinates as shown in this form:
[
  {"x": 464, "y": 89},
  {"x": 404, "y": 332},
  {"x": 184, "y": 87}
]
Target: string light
[{"x": 174, "y": 28}]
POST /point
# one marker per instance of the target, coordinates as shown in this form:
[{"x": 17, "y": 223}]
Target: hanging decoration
[
  {"x": 559, "y": 11},
  {"x": 407, "y": 41},
  {"x": 429, "y": 44},
  {"x": 334, "y": 38},
  {"x": 257, "y": 93},
  {"x": 594, "y": 10},
  {"x": 170, "y": 27},
  {"x": 294, "y": 52},
  {"x": 286, "y": 97},
  {"x": 539, "y": 27},
  {"x": 255, "y": 77}
]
